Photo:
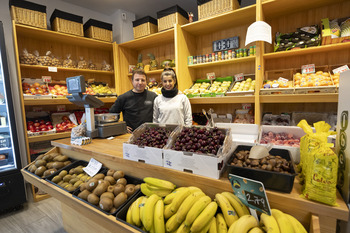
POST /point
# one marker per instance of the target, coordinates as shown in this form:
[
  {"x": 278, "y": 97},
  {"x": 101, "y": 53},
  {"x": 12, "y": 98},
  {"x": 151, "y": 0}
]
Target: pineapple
[
  {"x": 139, "y": 64},
  {"x": 153, "y": 62}
]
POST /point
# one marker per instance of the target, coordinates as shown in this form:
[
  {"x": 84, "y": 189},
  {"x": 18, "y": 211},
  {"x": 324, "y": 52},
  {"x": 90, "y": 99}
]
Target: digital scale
[{"x": 99, "y": 125}]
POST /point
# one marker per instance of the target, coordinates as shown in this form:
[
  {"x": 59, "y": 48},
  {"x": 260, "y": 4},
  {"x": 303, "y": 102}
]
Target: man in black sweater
[{"x": 136, "y": 104}]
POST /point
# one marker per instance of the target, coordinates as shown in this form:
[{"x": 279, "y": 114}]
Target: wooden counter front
[{"x": 110, "y": 153}]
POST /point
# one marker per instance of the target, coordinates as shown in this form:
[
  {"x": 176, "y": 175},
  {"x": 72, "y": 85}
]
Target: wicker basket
[
  {"x": 98, "y": 30},
  {"x": 28, "y": 13},
  {"x": 144, "y": 26},
  {"x": 170, "y": 16},
  {"x": 208, "y": 8},
  {"x": 67, "y": 23}
]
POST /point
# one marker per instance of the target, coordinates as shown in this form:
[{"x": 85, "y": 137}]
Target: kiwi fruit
[
  {"x": 119, "y": 199},
  {"x": 83, "y": 187},
  {"x": 137, "y": 187},
  {"x": 56, "y": 179},
  {"x": 50, "y": 171},
  {"x": 64, "y": 184},
  {"x": 40, "y": 163},
  {"x": 84, "y": 194},
  {"x": 61, "y": 158},
  {"x": 58, "y": 165},
  {"x": 122, "y": 181},
  {"x": 99, "y": 176},
  {"x": 60, "y": 183},
  {"x": 107, "y": 195},
  {"x": 32, "y": 168},
  {"x": 70, "y": 188},
  {"x": 106, "y": 204},
  {"x": 47, "y": 158},
  {"x": 84, "y": 177},
  {"x": 78, "y": 170},
  {"x": 129, "y": 191},
  {"x": 110, "y": 172},
  {"x": 40, "y": 157},
  {"x": 129, "y": 185},
  {"x": 101, "y": 188},
  {"x": 113, "y": 210},
  {"x": 40, "y": 171},
  {"x": 66, "y": 163},
  {"x": 91, "y": 184},
  {"x": 78, "y": 183},
  {"x": 71, "y": 171},
  {"x": 67, "y": 178},
  {"x": 118, "y": 189},
  {"x": 110, "y": 179},
  {"x": 118, "y": 174},
  {"x": 73, "y": 180},
  {"x": 110, "y": 188},
  {"x": 93, "y": 199},
  {"x": 63, "y": 173},
  {"x": 49, "y": 165}
]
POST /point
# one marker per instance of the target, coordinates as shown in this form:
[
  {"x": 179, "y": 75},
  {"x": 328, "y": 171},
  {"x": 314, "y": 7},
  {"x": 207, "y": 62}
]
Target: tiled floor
[{"x": 39, "y": 217}]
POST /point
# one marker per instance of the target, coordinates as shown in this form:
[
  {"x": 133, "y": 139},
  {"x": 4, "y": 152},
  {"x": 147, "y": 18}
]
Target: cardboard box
[{"x": 242, "y": 134}]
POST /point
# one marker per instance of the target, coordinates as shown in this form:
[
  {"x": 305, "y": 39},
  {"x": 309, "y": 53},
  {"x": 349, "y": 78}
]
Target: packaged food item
[
  {"x": 27, "y": 58},
  {"x": 345, "y": 28},
  {"x": 82, "y": 64},
  {"x": 92, "y": 66},
  {"x": 69, "y": 63},
  {"x": 45, "y": 60},
  {"x": 319, "y": 164},
  {"x": 106, "y": 66},
  {"x": 56, "y": 61},
  {"x": 244, "y": 116},
  {"x": 335, "y": 28}
]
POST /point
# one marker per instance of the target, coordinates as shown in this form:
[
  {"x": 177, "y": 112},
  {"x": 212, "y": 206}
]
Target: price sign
[
  {"x": 52, "y": 69},
  {"x": 93, "y": 167},
  {"x": 340, "y": 69},
  {"x": 226, "y": 44},
  {"x": 37, "y": 109},
  {"x": 308, "y": 69},
  {"x": 280, "y": 79},
  {"x": 246, "y": 106},
  {"x": 239, "y": 77},
  {"x": 61, "y": 108},
  {"x": 211, "y": 76},
  {"x": 46, "y": 79},
  {"x": 251, "y": 193}
]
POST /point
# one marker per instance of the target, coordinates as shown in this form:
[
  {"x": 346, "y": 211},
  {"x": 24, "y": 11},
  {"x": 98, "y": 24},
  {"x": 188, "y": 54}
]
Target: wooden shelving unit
[
  {"x": 223, "y": 100},
  {"x": 223, "y": 62},
  {"x": 63, "y": 100},
  {"x": 300, "y": 98},
  {"x": 99, "y": 72},
  {"x": 48, "y": 137},
  {"x": 154, "y": 72}
]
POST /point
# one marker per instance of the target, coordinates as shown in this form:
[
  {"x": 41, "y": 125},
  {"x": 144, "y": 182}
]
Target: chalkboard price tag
[
  {"x": 251, "y": 193},
  {"x": 226, "y": 44}
]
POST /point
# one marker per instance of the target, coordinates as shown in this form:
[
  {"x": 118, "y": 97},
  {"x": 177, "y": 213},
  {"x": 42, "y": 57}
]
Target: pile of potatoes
[
  {"x": 71, "y": 180},
  {"x": 108, "y": 192},
  {"x": 46, "y": 164}
]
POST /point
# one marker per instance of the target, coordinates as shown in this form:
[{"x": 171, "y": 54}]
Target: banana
[
  {"x": 148, "y": 190},
  {"x": 183, "y": 229},
  {"x": 270, "y": 223},
  {"x": 207, "y": 226},
  {"x": 204, "y": 217},
  {"x": 244, "y": 224},
  {"x": 221, "y": 223},
  {"x": 172, "y": 224},
  {"x": 256, "y": 230},
  {"x": 158, "y": 225},
  {"x": 237, "y": 204},
  {"x": 128, "y": 215},
  {"x": 148, "y": 211},
  {"x": 142, "y": 206},
  {"x": 228, "y": 211},
  {"x": 196, "y": 209},
  {"x": 212, "y": 228},
  {"x": 167, "y": 211},
  {"x": 298, "y": 227},
  {"x": 186, "y": 205},
  {"x": 194, "y": 189},
  {"x": 163, "y": 184},
  {"x": 283, "y": 222},
  {"x": 178, "y": 199},
  {"x": 230, "y": 230},
  {"x": 135, "y": 212},
  {"x": 170, "y": 197}
]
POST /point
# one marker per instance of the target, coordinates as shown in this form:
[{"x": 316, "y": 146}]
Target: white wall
[{"x": 123, "y": 26}]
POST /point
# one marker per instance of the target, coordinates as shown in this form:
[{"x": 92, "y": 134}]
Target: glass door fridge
[{"x": 12, "y": 192}]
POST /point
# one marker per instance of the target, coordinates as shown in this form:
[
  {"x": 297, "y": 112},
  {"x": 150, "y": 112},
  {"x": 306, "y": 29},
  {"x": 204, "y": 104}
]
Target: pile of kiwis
[
  {"x": 109, "y": 191},
  {"x": 72, "y": 179},
  {"x": 47, "y": 164}
]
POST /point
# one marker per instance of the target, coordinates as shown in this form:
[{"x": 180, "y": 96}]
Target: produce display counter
[{"x": 80, "y": 217}]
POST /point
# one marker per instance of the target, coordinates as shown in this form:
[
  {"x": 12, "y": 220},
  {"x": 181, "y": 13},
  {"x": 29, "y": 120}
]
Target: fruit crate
[
  {"x": 146, "y": 154},
  {"x": 121, "y": 213},
  {"x": 272, "y": 180},
  {"x": 196, "y": 95},
  {"x": 130, "y": 180},
  {"x": 231, "y": 92},
  {"x": 208, "y": 165},
  {"x": 326, "y": 31},
  {"x": 274, "y": 76}
]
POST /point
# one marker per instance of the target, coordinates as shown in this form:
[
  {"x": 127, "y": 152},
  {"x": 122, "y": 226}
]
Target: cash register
[{"x": 99, "y": 125}]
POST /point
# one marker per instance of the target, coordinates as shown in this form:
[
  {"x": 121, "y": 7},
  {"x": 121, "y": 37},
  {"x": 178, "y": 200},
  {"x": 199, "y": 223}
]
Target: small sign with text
[{"x": 308, "y": 69}]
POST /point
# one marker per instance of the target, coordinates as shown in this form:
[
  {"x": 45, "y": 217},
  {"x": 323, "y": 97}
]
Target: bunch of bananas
[{"x": 188, "y": 209}]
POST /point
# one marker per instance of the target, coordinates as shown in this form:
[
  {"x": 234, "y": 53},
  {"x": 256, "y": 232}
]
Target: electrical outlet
[{"x": 123, "y": 16}]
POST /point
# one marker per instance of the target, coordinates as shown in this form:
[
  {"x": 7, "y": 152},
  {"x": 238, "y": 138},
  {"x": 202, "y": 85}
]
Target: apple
[
  {"x": 48, "y": 123},
  {"x": 30, "y": 123},
  {"x": 42, "y": 122},
  {"x": 50, "y": 127},
  {"x": 30, "y": 127},
  {"x": 32, "y": 130},
  {"x": 58, "y": 126},
  {"x": 65, "y": 127},
  {"x": 36, "y": 124},
  {"x": 44, "y": 128},
  {"x": 63, "y": 124}
]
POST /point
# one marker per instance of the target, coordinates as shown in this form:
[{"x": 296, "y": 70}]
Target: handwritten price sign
[
  {"x": 308, "y": 69},
  {"x": 211, "y": 76},
  {"x": 46, "y": 79},
  {"x": 239, "y": 77}
]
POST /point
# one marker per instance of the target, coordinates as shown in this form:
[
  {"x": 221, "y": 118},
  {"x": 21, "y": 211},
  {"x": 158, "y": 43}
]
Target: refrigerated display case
[{"x": 12, "y": 192}]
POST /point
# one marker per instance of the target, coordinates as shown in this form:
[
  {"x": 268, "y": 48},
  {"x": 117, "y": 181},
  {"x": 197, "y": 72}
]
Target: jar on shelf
[
  {"x": 194, "y": 59},
  {"x": 207, "y": 57},
  {"x": 245, "y": 53},
  {"x": 230, "y": 54},
  {"x": 216, "y": 57},
  {"x": 233, "y": 54},
  {"x": 226, "y": 55},
  {"x": 251, "y": 51}
]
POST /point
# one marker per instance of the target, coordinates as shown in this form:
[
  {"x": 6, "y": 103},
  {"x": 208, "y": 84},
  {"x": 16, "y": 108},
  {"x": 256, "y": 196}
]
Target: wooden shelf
[
  {"x": 153, "y": 72},
  {"x": 300, "y": 98},
  {"x": 224, "y": 62},
  {"x": 307, "y": 51},
  {"x": 49, "y": 137},
  {"x": 245, "y": 15},
  {"x": 48, "y": 35},
  {"x": 150, "y": 40},
  {"x": 278, "y": 8},
  {"x": 222, "y": 100},
  {"x": 37, "y": 67},
  {"x": 38, "y": 102}
]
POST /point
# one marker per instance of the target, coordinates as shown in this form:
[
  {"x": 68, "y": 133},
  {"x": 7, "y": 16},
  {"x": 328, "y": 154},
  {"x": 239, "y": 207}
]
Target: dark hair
[
  {"x": 169, "y": 71},
  {"x": 138, "y": 71}
]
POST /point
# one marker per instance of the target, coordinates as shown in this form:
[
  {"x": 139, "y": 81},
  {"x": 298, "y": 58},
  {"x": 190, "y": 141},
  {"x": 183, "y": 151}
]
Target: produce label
[
  {"x": 93, "y": 167},
  {"x": 239, "y": 77},
  {"x": 246, "y": 106},
  {"x": 251, "y": 193},
  {"x": 52, "y": 69},
  {"x": 211, "y": 76},
  {"x": 46, "y": 79},
  {"x": 308, "y": 69},
  {"x": 340, "y": 69},
  {"x": 61, "y": 108},
  {"x": 280, "y": 79}
]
